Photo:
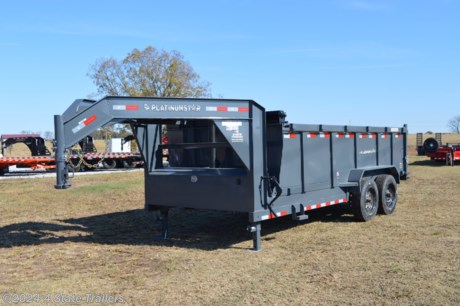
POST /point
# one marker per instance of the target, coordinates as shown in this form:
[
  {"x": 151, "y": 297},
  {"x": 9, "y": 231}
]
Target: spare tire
[{"x": 430, "y": 145}]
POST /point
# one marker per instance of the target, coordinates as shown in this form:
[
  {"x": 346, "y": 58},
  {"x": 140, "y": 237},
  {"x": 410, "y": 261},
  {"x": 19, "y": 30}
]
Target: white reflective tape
[
  {"x": 119, "y": 107},
  {"x": 211, "y": 108},
  {"x": 79, "y": 127},
  {"x": 232, "y": 109}
]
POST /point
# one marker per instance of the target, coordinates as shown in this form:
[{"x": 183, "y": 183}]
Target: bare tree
[
  {"x": 48, "y": 135},
  {"x": 148, "y": 73},
  {"x": 454, "y": 124}
]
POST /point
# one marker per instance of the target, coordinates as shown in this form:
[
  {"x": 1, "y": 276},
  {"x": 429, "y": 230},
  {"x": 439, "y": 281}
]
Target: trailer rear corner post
[{"x": 62, "y": 173}]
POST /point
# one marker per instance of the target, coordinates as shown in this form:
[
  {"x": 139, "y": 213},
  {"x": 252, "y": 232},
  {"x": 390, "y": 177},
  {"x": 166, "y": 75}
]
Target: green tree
[
  {"x": 454, "y": 124},
  {"x": 148, "y": 72}
]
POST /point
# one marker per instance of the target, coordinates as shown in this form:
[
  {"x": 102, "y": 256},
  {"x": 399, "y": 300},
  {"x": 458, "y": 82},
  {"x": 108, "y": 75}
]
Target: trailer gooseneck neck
[{"x": 232, "y": 155}]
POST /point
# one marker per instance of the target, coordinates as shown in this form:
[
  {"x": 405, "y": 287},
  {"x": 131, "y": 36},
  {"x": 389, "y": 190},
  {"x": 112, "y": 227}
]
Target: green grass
[{"x": 95, "y": 237}]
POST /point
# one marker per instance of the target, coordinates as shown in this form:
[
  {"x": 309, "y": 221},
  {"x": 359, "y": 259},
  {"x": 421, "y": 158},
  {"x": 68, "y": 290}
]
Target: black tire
[
  {"x": 365, "y": 203},
  {"x": 129, "y": 164},
  {"x": 388, "y": 191},
  {"x": 430, "y": 145},
  {"x": 109, "y": 164}
]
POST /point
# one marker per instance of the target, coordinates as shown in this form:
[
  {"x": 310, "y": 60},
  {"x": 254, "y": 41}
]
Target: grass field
[{"x": 96, "y": 238}]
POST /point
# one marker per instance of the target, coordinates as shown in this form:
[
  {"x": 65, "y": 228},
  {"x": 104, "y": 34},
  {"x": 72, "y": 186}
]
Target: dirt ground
[{"x": 96, "y": 238}]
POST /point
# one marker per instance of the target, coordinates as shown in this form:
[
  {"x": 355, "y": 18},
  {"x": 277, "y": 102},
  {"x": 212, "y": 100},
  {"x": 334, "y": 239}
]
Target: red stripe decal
[
  {"x": 222, "y": 108},
  {"x": 89, "y": 120},
  {"x": 132, "y": 107},
  {"x": 243, "y": 109}
]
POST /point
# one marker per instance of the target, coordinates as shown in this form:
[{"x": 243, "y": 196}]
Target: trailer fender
[{"x": 356, "y": 176}]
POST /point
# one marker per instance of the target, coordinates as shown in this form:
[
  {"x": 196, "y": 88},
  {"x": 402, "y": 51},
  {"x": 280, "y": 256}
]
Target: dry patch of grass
[{"x": 96, "y": 238}]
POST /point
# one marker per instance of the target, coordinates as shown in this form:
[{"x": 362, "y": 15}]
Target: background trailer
[{"x": 232, "y": 155}]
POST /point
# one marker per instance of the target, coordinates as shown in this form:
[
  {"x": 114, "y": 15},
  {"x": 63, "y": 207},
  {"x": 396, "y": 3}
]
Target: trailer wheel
[
  {"x": 366, "y": 202},
  {"x": 129, "y": 164},
  {"x": 431, "y": 145},
  {"x": 109, "y": 164},
  {"x": 388, "y": 191}
]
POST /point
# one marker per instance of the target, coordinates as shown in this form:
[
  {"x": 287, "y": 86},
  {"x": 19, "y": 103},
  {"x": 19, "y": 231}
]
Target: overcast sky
[{"x": 382, "y": 63}]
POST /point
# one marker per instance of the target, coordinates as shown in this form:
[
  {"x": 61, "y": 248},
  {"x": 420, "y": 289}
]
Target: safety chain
[{"x": 82, "y": 159}]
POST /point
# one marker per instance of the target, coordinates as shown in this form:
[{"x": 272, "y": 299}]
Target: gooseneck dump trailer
[{"x": 233, "y": 155}]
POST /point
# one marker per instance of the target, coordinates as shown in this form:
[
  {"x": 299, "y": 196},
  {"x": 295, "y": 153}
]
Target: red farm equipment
[
  {"x": 84, "y": 158},
  {"x": 436, "y": 151}
]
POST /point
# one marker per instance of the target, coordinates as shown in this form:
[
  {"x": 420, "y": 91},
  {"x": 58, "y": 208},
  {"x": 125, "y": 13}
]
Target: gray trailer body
[{"x": 232, "y": 155}]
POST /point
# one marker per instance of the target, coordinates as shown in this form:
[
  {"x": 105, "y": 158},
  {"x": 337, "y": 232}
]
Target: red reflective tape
[
  {"x": 345, "y": 200},
  {"x": 89, "y": 120},
  {"x": 243, "y": 109},
  {"x": 292, "y": 136},
  {"x": 132, "y": 107},
  {"x": 311, "y": 135},
  {"x": 340, "y": 136},
  {"x": 329, "y": 203},
  {"x": 222, "y": 108},
  {"x": 271, "y": 216},
  {"x": 327, "y": 135},
  {"x": 283, "y": 213}
]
